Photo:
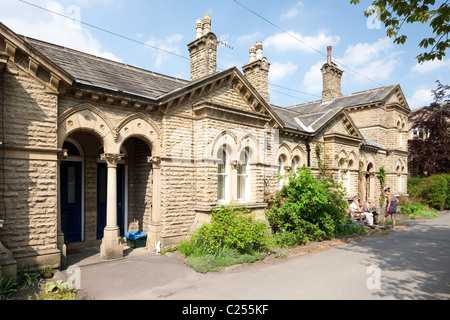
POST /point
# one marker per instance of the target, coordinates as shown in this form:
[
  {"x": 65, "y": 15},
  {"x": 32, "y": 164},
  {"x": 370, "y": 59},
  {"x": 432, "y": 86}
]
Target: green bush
[
  {"x": 307, "y": 208},
  {"x": 417, "y": 210},
  {"x": 432, "y": 191},
  {"x": 233, "y": 228}
]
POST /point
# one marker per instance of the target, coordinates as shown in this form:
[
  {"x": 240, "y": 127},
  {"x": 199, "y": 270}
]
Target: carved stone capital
[{"x": 112, "y": 158}]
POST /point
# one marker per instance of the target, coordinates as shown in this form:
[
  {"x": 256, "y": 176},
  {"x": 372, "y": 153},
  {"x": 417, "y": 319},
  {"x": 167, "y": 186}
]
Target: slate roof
[
  {"x": 312, "y": 116},
  {"x": 98, "y": 72},
  {"x": 107, "y": 74}
]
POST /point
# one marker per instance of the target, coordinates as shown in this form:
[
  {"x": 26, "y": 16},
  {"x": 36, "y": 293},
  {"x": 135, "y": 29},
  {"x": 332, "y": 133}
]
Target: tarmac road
[{"x": 410, "y": 263}]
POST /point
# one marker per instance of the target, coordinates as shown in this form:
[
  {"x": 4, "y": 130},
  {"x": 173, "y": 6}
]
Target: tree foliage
[
  {"x": 429, "y": 155},
  {"x": 395, "y": 13}
]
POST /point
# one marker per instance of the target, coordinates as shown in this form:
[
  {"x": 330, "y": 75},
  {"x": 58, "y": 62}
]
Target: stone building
[{"x": 92, "y": 148}]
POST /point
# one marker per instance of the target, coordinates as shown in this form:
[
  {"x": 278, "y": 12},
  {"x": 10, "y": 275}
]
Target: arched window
[
  {"x": 347, "y": 182},
  {"x": 399, "y": 179},
  {"x": 281, "y": 172},
  {"x": 223, "y": 176},
  {"x": 295, "y": 164},
  {"x": 340, "y": 172},
  {"x": 399, "y": 133},
  {"x": 243, "y": 177}
]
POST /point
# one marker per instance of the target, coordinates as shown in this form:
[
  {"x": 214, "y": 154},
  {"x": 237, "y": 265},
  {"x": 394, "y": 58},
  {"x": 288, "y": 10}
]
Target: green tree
[
  {"x": 429, "y": 154},
  {"x": 395, "y": 13}
]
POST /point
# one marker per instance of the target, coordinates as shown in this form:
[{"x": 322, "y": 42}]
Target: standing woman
[{"x": 391, "y": 207}]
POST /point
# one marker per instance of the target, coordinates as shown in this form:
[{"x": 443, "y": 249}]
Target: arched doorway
[
  {"x": 72, "y": 191},
  {"x": 78, "y": 186},
  {"x": 370, "y": 181},
  {"x": 138, "y": 196}
]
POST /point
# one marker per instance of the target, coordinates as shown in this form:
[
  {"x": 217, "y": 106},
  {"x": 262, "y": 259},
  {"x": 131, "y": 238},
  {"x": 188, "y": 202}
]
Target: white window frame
[
  {"x": 281, "y": 172},
  {"x": 225, "y": 175},
  {"x": 245, "y": 155}
]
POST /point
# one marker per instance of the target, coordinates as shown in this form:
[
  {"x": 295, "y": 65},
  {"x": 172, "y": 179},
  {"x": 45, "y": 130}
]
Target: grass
[
  {"x": 203, "y": 262},
  {"x": 418, "y": 210}
]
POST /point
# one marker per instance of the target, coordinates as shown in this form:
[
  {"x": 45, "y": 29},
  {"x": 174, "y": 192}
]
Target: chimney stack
[
  {"x": 332, "y": 79},
  {"x": 257, "y": 71},
  {"x": 203, "y": 50}
]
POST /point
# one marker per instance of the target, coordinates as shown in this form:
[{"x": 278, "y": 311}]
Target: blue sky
[{"x": 295, "y": 36}]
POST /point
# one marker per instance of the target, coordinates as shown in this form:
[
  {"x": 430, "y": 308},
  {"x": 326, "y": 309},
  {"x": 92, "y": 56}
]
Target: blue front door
[
  {"x": 71, "y": 200},
  {"x": 102, "y": 182}
]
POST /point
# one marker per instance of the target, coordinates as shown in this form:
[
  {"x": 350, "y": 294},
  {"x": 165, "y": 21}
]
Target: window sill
[{"x": 248, "y": 205}]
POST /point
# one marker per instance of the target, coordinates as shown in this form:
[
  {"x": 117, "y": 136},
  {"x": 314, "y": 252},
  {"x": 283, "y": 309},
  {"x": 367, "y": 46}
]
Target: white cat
[{"x": 158, "y": 246}]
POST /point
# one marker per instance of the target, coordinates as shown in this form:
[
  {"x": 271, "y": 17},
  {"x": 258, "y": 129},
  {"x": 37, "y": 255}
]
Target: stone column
[
  {"x": 111, "y": 247},
  {"x": 155, "y": 224}
]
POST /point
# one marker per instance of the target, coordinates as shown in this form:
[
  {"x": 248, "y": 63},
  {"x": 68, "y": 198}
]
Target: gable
[
  {"x": 342, "y": 128},
  {"x": 18, "y": 52},
  {"x": 227, "y": 92},
  {"x": 397, "y": 99}
]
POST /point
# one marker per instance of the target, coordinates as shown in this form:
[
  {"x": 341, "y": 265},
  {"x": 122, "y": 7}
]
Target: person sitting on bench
[
  {"x": 370, "y": 207},
  {"x": 355, "y": 209}
]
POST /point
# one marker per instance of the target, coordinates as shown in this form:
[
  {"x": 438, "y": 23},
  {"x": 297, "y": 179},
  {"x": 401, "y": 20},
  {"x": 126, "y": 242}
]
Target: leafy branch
[{"x": 394, "y": 14}]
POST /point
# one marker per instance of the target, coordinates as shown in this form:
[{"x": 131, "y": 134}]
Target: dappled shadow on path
[{"x": 414, "y": 261}]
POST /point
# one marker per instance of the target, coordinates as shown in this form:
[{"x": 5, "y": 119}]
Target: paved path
[{"x": 411, "y": 263}]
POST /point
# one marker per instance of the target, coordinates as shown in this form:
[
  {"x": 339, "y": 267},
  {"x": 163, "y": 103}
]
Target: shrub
[
  {"x": 233, "y": 228},
  {"x": 307, "y": 207},
  {"x": 432, "y": 191}
]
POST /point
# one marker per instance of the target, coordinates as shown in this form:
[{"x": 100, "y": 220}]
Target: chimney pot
[
  {"x": 252, "y": 53},
  {"x": 207, "y": 24},
  {"x": 259, "y": 50},
  {"x": 199, "y": 28}
]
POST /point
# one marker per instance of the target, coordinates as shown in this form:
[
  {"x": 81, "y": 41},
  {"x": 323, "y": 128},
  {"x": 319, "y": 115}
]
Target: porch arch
[
  {"x": 139, "y": 126},
  {"x": 88, "y": 118}
]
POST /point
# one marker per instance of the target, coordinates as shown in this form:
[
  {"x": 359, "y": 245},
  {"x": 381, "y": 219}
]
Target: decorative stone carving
[
  {"x": 112, "y": 158},
  {"x": 155, "y": 162},
  {"x": 63, "y": 154}
]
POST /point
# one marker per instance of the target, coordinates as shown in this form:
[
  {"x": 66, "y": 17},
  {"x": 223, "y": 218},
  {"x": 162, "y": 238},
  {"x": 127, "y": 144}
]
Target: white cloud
[
  {"x": 312, "y": 81},
  {"x": 360, "y": 62},
  {"x": 280, "y": 70},
  {"x": 293, "y": 12},
  {"x": 430, "y": 66},
  {"x": 170, "y": 43},
  {"x": 54, "y": 28},
  {"x": 421, "y": 98},
  {"x": 375, "y": 61},
  {"x": 249, "y": 38},
  {"x": 293, "y": 41}
]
